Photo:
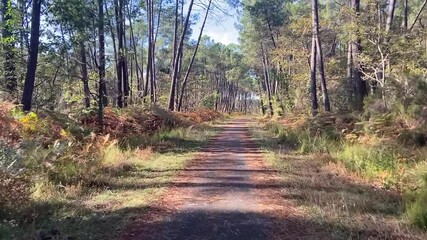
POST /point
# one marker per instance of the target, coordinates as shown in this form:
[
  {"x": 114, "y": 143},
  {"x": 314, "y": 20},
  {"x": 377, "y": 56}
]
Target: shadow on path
[{"x": 228, "y": 193}]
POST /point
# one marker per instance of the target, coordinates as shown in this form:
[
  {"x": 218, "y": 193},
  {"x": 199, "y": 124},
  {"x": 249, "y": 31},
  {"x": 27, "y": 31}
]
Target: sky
[{"x": 219, "y": 26}]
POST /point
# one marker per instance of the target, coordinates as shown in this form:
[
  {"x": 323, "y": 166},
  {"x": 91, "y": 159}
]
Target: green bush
[
  {"x": 304, "y": 141},
  {"x": 416, "y": 207},
  {"x": 368, "y": 161},
  {"x": 289, "y": 138}
]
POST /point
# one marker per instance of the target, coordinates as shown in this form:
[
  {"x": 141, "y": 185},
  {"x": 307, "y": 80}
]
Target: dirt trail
[{"x": 227, "y": 193}]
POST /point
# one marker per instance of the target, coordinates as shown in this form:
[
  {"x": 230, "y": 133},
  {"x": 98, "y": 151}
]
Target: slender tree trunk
[
  {"x": 418, "y": 15},
  {"x": 171, "y": 106},
  {"x": 138, "y": 70},
  {"x": 153, "y": 49},
  {"x": 261, "y": 101},
  {"x": 149, "y": 51},
  {"x": 359, "y": 85},
  {"x": 313, "y": 85},
  {"x": 217, "y": 93},
  {"x": 187, "y": 74},
  {"x": 349, "y": 64},
  {"x": 113, "y": 36},
  {"x": 405, "y": 13},
  {"x": 267, "y": 81},
  {"x": 316, "y": 53},
  {"x": 390, "y": 16},
  {"x": 10, "y": 79},
  {"x": 119, "y": 56},
  {"x": 153, "y": 56},
  {"x": 325, "y": 95},
  {"x": 102, "y": 93},
  {"x": 30, "y": 76},
  {"x": 126, "y": 88},
  {"x": 85, "y": 76}
]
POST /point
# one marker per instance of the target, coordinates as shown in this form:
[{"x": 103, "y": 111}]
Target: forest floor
[{"x": 234, "y": 190}]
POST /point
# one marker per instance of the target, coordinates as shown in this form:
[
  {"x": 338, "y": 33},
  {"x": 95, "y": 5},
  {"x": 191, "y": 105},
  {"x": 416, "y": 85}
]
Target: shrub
[
  {"x": 412, "y": 137},
  {"x": 416, "y": 207},
  {"x": 371, "y": 162}
]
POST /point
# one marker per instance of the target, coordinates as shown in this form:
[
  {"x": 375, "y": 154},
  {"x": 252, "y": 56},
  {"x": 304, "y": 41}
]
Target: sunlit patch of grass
[
  {"x": 416, "y": 200},
  {"x": 122, "y": 182},
  {"x": 332, "y": 187}
]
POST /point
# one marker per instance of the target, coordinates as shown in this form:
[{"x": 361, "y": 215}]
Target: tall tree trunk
[
  {"x": 175, "y": 45},
  {"x": 153, "y": 56},
  {"x": 261, "y": 101},
  {"x": 418, "y": 15},
  {"x": 10, "y": 79},
  {"x": 138, "y": 70},
  {"x": 313, "y": 85},
  {"x": 349, "y": 64},
  {"x": 390, "y": 16},
  {"x": 119, "y": 56},
  {"x": 85, "y": 76},
  {"x": 187, "y": 74},
  {"x": 405, "y": 12},
  {"x": 30, "y": 76},
  {"x": 172, "y": 93},
  {"x": 267, "y": 80},
  {"x": 113, "y": 35},
  {"x": 316, "y": 54},
  {"x": 124, "y": 55},
  {"x": 149, "y": 51},
  {"x": 153, "y": 49},
  {"x": 325, "y": 95},
  {"x": 102, "y": 92},
  {"x": 359, "y": 85}
]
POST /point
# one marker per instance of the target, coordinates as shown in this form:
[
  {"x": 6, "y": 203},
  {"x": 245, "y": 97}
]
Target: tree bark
[
  {"x": 325, "y": 95},
  {"x": 85, "y": 77},
  {"x": 187, "y": 74},
  {"x": 313, "y": 85},
  {"x": 102, "y": 92},
  {"x": 149, "y": 51},
  {"x": 267, "y": 80},
  {"x": 152, "y": 65},
  {"x": 390, "y": 16},
  {"x": 405, "y": 15},
  {"x": 30, "y": 76},
  {"x": 418, "y": 15},
  {"x": 138, "y": 70},
  {"x": 172, "y": 93},
  {"x": 119, "y": 56},
  {"x": 359, "y": 86},
  {"x": 126, "y": 87}
]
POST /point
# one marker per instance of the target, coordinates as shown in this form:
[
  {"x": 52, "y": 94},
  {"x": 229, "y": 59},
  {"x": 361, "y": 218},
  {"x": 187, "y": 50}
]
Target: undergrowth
[
  {"x": 58, "y": 178},
  {"x": 383, "y": 148}
]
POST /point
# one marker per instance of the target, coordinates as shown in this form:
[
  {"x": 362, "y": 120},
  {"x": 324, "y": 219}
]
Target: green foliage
[
  {"x": 303, "y": 140},
  {"x": 368, "y": 161},
  {"x": 209, "y": 100},
  {"x": 416, "y": 205}
]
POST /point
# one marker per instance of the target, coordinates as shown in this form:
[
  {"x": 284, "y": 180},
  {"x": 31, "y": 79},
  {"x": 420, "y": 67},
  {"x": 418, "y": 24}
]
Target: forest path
[{"x": 226, "y": 193}]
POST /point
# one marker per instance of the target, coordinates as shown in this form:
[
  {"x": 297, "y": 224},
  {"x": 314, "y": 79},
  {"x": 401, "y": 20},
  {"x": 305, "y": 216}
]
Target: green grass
[
  {"x": 330, "y": 182},
  {"x": 130, "y": 178}
]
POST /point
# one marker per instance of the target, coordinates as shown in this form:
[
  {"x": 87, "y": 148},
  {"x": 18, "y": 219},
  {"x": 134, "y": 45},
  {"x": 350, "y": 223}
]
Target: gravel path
[{"x": 226, "y": 193}]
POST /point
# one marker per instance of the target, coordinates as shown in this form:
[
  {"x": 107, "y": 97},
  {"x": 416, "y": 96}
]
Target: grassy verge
[
  {"x": 129, "y": 175},
  {"x": 337, "y": 186}
]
